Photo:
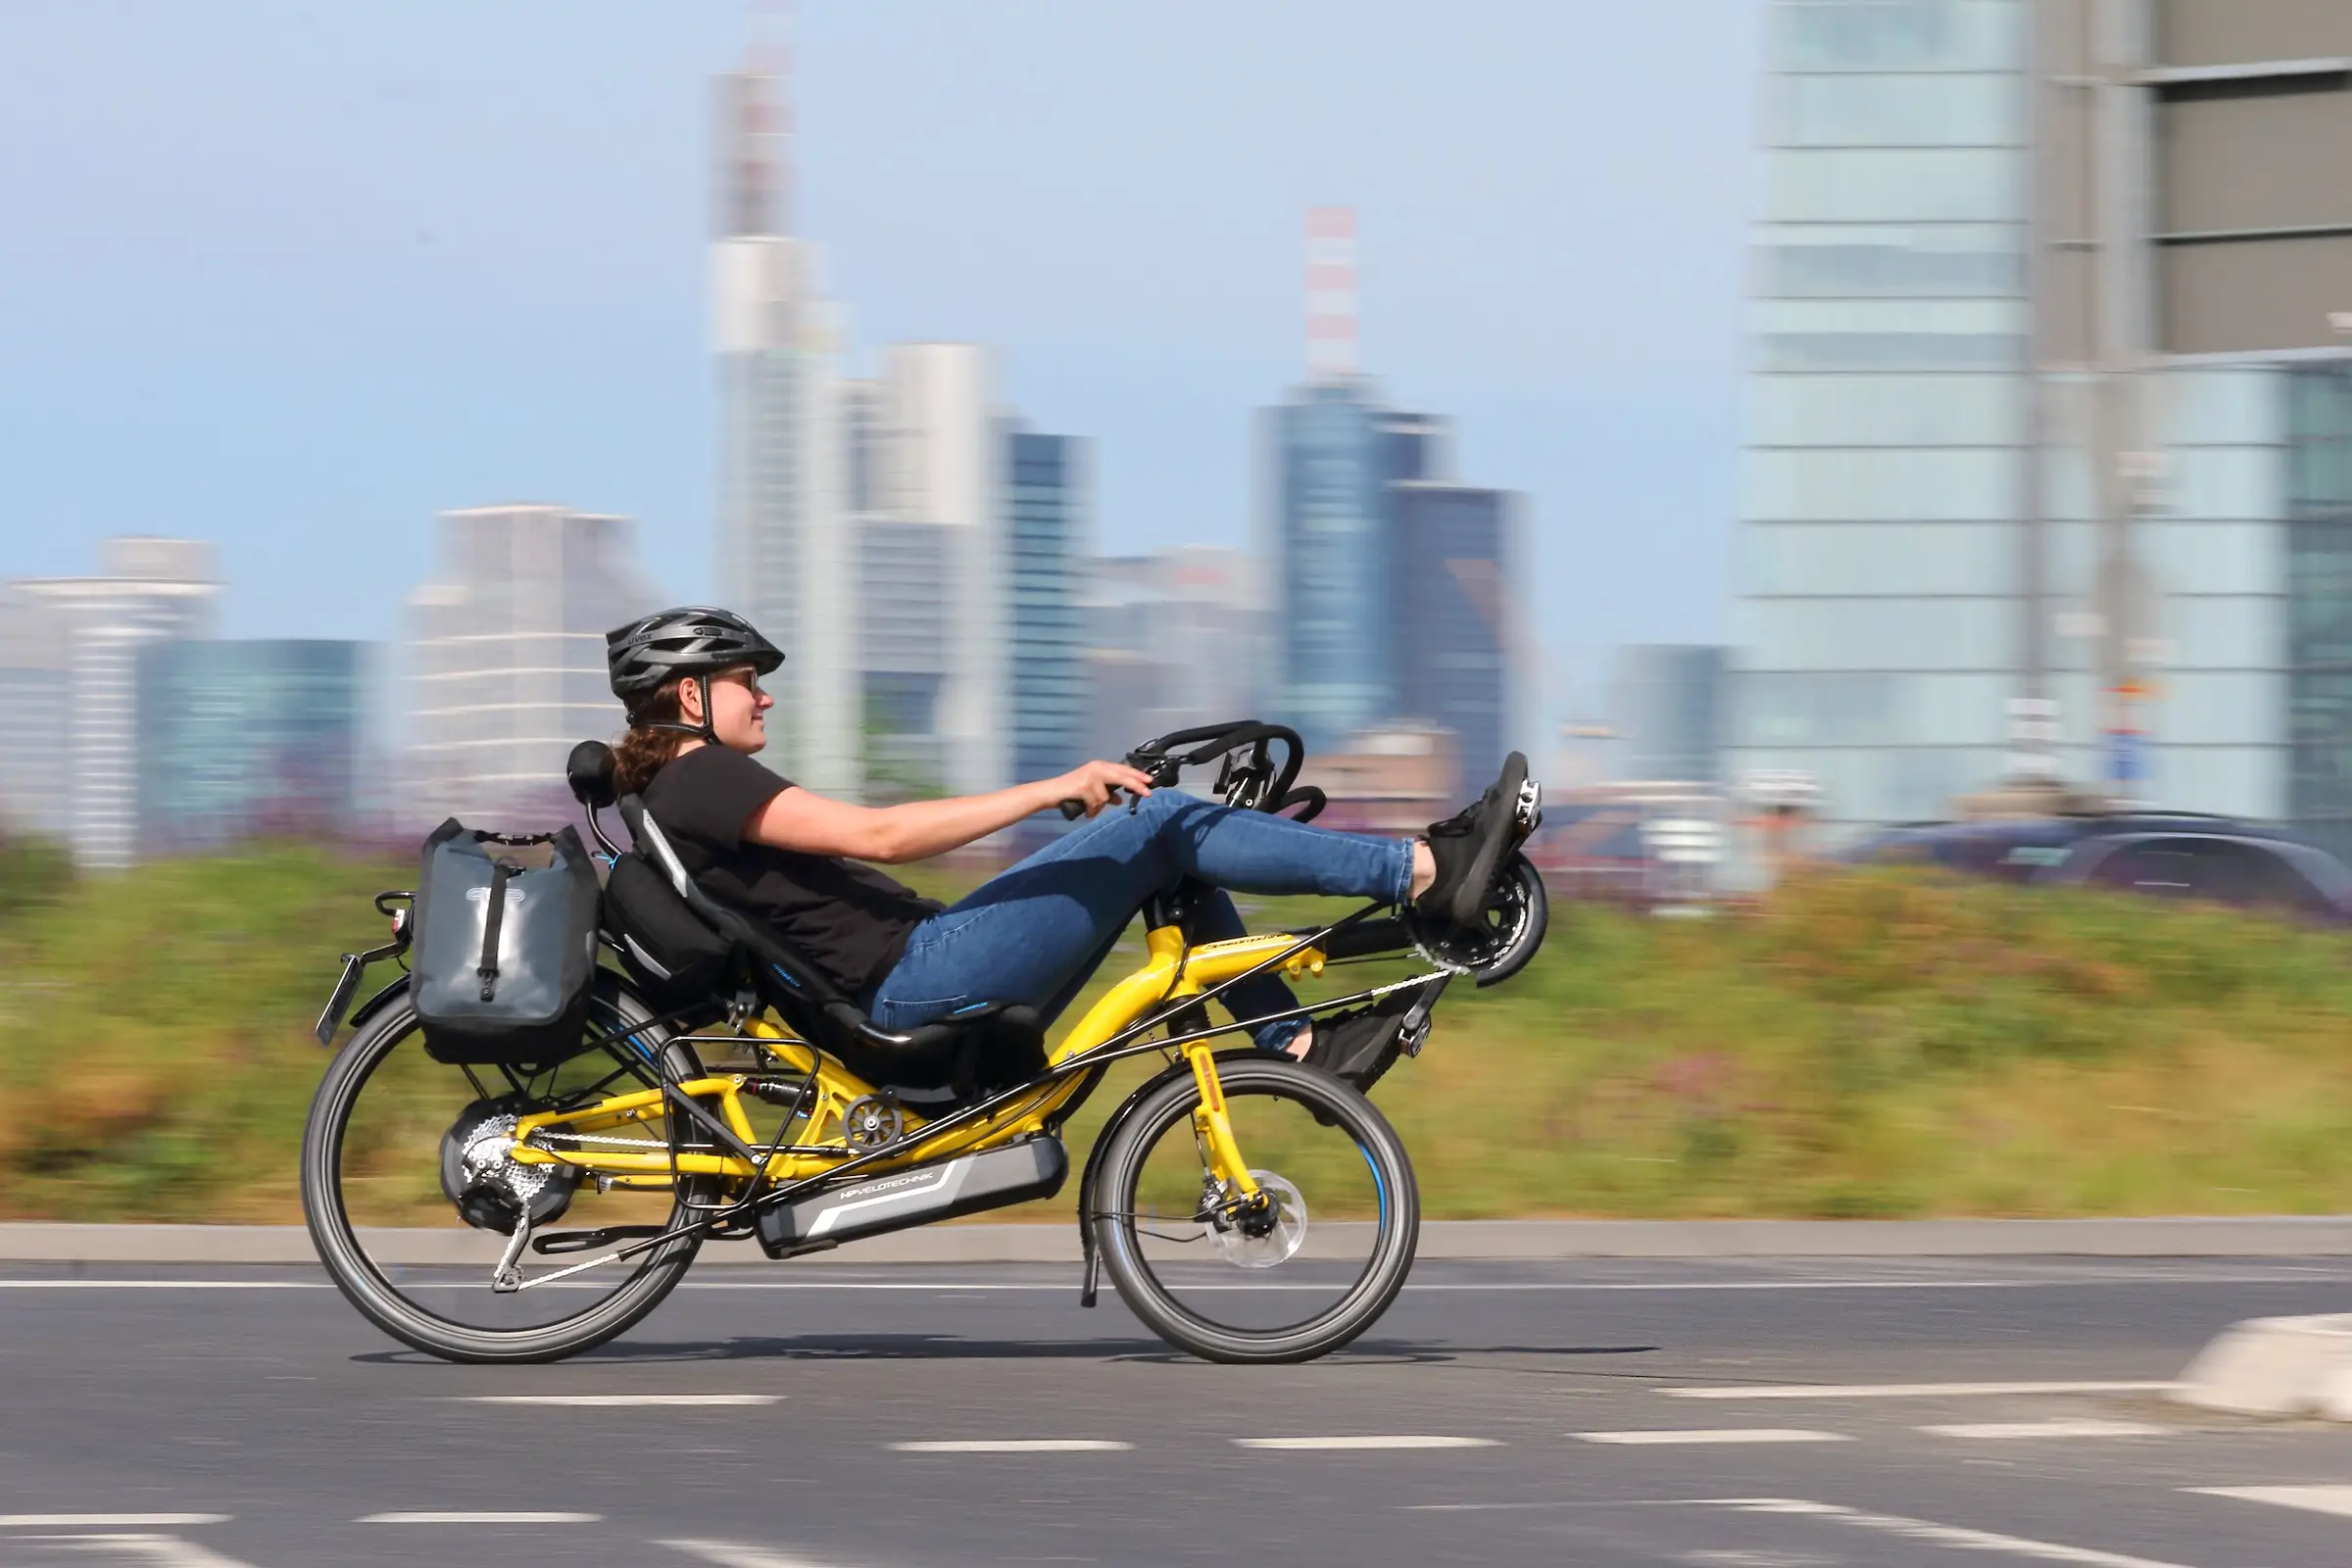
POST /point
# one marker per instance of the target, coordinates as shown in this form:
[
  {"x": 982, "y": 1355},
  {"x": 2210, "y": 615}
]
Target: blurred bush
[
  {"x": 1869, "y": 1043},
  {"x": 34, "y": 872}
]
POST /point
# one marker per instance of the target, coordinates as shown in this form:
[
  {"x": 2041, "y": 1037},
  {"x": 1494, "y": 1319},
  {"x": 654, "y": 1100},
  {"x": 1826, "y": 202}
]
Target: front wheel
[{"x": 1289, "y": 1279}]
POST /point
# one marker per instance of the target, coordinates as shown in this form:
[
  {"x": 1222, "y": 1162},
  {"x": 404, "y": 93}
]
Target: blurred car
[{"x": 2162, "y": 854}]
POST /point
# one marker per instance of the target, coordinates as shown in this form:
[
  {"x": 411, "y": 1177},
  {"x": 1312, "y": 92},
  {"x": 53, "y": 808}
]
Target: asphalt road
[{"x": 207, "y": 1418}]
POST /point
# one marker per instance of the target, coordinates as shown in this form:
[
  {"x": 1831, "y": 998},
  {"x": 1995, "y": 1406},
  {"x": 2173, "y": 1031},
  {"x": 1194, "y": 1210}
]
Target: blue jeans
[{"x": 1035, "y": 934}]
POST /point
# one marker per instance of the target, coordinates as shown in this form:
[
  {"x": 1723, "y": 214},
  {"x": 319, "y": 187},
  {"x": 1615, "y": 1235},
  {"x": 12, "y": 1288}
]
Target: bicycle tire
[
  {"x": 1114, "y": 1203},
  {"x": 365, "y": 1286}
]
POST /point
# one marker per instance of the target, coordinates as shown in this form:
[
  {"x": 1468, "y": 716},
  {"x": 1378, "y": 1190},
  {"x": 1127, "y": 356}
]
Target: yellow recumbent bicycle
[{"x": 1249, "y": 1208}]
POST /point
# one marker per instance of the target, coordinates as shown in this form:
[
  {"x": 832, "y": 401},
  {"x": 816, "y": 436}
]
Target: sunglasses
[{"x": 744, "y": 678}]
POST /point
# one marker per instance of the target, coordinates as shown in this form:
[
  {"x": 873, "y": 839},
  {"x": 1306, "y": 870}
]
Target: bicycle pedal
[{"x": 1528, "y": 810}]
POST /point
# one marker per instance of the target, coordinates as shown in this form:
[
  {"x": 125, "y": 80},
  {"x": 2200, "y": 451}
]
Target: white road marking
[
  {"x": 459, "y": 1517},
  {"x": 168, "y": 1550},
  {"x": 1015, "y": 1445},
  {"x": 1498, "y": 1286},
  {"x": 619, "y": 1398},
  {"x": 1571, "y": 1287},
  {"x": 1635, "y": 1438},
  {"x": 164, "y": 1284},
  {"x": 727, "y": 1554},
  {"x": 2314, "y": 1500},
  {"x": 1997, "y": 1430},
  {"x": 1903, "y": 1390},
  {"x": 1367, "y": 1442},
  {"x": 1939, "y": 1535},
  {"x": 104, "y": 1521}
]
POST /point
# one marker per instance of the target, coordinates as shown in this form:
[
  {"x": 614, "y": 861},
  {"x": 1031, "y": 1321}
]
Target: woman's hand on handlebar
[{"x": 1084, "y": 791}]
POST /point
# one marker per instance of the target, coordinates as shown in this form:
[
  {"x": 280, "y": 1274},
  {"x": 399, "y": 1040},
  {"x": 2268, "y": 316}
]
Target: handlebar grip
[{"x": 1072, "y": 810}]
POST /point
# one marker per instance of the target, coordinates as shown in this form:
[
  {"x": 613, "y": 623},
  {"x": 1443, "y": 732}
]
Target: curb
[{"x": 2278, "y": 1236}]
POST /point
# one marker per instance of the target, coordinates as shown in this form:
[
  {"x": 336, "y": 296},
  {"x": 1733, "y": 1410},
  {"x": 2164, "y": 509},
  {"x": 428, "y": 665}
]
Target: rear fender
[{"x": 376, "y": 1003}]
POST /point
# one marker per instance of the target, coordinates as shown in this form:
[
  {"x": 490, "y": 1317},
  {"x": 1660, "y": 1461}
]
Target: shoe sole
[{"x": 1502, "y": 832}]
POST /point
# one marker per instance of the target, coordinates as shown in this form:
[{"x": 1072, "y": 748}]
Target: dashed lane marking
[
  {"x": 728, "y": 1554},
  {"x": 1434, "y": 1286},
  {"x": 1922, "y": 1530},
  {"x": 164, "y": 1284},
  {"x": 1903, "y": 1390},
  {"x": 1995, "y": 1431},
  {"x": 464, "y": 1517},
  {"x": 2313, "y": 1500},
  {"x": 167, "y": 1551},
  {"x": 1640, "y": 1439},
  {"x": 1015, "y": 1445},
  {"x": 621, "y": 1398},
  {"x": 1356, "y": 1442},
  {"x": 106, "y": 1521}
]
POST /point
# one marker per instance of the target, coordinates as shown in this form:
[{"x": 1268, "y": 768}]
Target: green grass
[{"x": 1869, "y": 1045}]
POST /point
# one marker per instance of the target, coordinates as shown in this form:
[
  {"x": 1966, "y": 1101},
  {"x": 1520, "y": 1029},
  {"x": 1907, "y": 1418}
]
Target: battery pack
[{"x": 965, "y": 1185}]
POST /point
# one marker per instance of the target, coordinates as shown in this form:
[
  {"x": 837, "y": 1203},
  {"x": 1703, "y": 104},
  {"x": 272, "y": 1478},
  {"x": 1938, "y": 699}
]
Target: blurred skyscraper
[
  {"x": 76, "y": 642},
  {"x": 969, "y": 531},
  {"x": 1884, "y": 477},
  {"x": 244, "y": 738},
  {"x": 2048, "y": 394},
  {"x": 1453, "y": 614},
  {"x": 1046, "y": 530},
  {"x": 1394, "y": 584},
  {"x": 1334, "y": 457},
  {"x": 1665, "y": 703},
  {"x": 1174, "y": 640},
  {"x": 786, "y": 556},
  {"x": 506, "y": 654}
]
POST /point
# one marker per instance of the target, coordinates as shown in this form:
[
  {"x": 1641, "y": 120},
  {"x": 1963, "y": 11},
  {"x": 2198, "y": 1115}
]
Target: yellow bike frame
[{"x": 1170, "y": 972}]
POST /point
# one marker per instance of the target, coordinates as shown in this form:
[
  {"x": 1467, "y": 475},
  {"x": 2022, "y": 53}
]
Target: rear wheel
[
  {"x": 1289, "y": 1279},
  {"x": 385, "y": 1121}
]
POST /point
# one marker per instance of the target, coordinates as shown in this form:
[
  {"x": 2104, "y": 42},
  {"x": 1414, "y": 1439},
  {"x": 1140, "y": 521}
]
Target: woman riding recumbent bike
[{"x": 724, "y": 1090}]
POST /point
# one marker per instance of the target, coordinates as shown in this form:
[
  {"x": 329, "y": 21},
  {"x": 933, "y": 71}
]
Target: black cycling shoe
[
  {"x": 1469, "y": 845},
  {"x": 1359, "y": 1044}
]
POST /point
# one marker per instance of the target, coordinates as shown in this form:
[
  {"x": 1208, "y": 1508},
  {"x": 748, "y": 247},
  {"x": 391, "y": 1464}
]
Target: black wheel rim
[
  {"x": 1193, "y": 1244},
  {"x": 384, "y": 1195}
]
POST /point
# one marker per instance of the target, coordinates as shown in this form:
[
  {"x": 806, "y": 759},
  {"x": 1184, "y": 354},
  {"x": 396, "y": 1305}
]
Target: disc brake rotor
[{"x": 1277, "y": 1243}]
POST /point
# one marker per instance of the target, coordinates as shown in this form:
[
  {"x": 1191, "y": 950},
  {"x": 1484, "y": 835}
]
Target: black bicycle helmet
[{"x": 690, "y": 640}]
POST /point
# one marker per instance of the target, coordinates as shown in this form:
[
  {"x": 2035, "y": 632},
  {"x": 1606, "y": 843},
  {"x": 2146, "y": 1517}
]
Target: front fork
[
  {"x": 1220, "y": 1156},
  {"x": 1220, "y": 1160}
]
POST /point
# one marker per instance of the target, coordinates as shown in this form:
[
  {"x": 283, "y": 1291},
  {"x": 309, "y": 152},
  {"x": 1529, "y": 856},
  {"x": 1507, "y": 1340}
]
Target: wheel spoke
[
  {"x": 1295, "y": 1271},
  {"x": 395, "y": 1133}
]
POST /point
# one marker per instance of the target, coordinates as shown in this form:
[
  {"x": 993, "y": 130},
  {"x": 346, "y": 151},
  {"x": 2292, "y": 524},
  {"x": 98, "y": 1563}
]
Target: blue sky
[{"x": 295, "y": 276}]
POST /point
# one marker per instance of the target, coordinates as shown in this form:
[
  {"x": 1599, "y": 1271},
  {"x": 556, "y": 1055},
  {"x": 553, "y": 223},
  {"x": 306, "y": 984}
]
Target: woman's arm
[{"x": 809, "y": 823}]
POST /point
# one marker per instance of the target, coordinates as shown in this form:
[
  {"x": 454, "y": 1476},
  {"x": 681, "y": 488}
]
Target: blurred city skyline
[{"x": 309, "y": 278}]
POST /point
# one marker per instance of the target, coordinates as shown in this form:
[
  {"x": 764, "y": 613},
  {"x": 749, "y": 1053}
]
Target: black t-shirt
[{"x": 850, "y": 920}]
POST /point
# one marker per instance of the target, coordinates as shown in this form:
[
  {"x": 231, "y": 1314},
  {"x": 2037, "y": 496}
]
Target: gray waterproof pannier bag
[{"x": 505, "y": 946}]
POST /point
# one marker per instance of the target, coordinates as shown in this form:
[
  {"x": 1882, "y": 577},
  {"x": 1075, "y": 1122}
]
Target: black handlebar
[{"x": 1249, "y": 779}]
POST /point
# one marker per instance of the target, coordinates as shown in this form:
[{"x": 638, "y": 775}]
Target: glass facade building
[
  {"x": 1045, "y": 535},
  {"x": 90, "y": 630},
  {"x": 2319, "y": 617},
  {"x": 1334, "y": 456},
  {"x": 504, "y": 657},
  {"x": 1921, "y": 539},
  {"x": 1449, "y": 616},
  {"x": 244, "y": 739},
  {"x": 1665, "y": 713},
  {"x": 1882, "y": 538}
]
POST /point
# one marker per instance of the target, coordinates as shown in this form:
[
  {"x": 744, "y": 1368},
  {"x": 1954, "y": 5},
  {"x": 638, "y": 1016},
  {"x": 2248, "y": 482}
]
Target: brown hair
[{"x": 643, "y": 749}]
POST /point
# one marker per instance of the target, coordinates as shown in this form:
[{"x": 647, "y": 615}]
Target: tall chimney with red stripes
[{"x": 1329, "y": 293}]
